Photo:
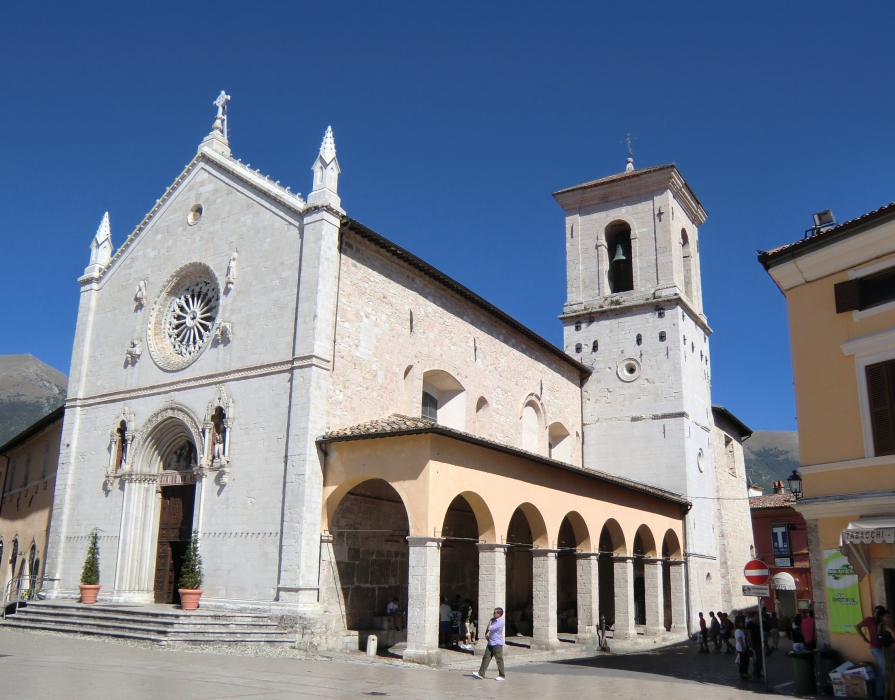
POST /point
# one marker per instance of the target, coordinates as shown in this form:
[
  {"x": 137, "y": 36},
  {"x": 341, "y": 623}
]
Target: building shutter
[
  {"x": 848, "y": 296},
  {"x": 879, "y": 392}
]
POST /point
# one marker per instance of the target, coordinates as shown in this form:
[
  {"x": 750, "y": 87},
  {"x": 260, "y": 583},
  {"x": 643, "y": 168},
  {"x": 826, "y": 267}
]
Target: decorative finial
[
  {"x": 630, "y": 163},
  {"x": 100, "y": 249},
  {"x": 217, "y": 140},
  {"x": 326, "y": 173}
]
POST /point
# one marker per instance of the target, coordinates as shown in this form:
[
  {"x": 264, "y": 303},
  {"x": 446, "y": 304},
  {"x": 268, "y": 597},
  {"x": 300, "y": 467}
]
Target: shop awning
[
  {"x": 783, "y": 582},
  {"x": 854, "y": 539}
]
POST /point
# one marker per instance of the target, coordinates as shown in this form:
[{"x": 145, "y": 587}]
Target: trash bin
[
  {"x": 803, "y": 671},
  {"x": 826, "y": 660}
]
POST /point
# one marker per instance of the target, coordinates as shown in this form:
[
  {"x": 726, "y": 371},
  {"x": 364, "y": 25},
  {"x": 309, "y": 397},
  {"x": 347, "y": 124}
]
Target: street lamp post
[{"x": 795, "y": 484}]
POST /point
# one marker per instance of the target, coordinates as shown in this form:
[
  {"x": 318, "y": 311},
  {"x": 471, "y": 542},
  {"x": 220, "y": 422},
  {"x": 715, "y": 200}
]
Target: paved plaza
[{"x": 49, "y": 666}]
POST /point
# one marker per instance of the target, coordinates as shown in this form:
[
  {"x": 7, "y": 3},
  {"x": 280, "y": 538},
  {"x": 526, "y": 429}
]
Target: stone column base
[
  {"x": 426, "y": 657},
  {"x": 545, "y": 645},
  {"x": 654, "y": 631}
]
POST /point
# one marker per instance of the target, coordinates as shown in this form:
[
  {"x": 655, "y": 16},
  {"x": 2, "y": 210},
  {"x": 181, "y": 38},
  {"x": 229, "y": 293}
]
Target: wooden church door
[{"x": 174, "y": 530}]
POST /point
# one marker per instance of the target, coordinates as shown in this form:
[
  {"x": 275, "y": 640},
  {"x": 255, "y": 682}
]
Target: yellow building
[
  {"x": 839, "y": 283},
  {"x": 28, "y": 478}
]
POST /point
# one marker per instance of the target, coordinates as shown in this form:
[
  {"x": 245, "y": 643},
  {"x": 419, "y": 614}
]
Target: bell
[{"x": 619, "y": 254}]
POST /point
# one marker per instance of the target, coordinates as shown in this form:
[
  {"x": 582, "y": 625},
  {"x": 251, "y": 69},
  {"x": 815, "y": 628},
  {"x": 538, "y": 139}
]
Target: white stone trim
[
  {"x": 868, "y": 350},
  {"x": 885, "y": 460},
  {"x": 299, "y": 362},
  {"x": 847, "y": 505}
]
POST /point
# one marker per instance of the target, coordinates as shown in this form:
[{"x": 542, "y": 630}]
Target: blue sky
[{"x": 454, "y": 123}]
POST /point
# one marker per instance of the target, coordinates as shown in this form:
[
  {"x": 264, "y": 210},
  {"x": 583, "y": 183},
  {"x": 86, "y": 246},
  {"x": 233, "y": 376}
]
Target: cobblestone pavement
[{"x": 49, "y": 666}]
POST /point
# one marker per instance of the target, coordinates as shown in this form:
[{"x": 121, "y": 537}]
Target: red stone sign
[{"x": 756, "y": 572}]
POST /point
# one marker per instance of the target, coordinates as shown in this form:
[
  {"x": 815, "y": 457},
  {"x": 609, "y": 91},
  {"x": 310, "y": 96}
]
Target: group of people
[
  {"x": 456, "y": 624},
  {"x": 745, "y": 635},
  {"x": 879, "y": 633}
]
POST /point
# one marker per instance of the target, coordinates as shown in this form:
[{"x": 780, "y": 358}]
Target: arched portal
[
  {"x": 461, "y": 533},
  {"x": 644, "y": 546},
  {"x": 571, "y": 608},
  {"x": 370, "y": 529},
  {"x": 612, "y": 542},
  {"x": 671, "y": 550}
]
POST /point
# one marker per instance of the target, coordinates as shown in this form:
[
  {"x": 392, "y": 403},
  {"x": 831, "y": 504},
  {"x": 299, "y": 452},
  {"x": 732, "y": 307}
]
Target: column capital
[
  {"x": 544, "y": 552},
  {"x": 651, "y": 560},
  {"x": 675, "y": 562},
  {"x": 326, "y": 538},
  {"x": 423, "y": 541},
  {"x": 492, "y": 546},
  {"x": 587, "y": 555}
]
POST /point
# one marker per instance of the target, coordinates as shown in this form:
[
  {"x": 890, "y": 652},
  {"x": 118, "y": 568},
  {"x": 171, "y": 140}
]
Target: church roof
[
  {"x": 464, "y": 292},
  {"x": 824, "y": 237},
  {"x": 630, "y": 175},
  {"x": 772, "y": 500},
  {"x": 396, "y": 425}
]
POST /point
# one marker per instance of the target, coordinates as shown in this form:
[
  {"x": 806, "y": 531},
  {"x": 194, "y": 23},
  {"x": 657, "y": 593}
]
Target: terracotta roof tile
[
  {"x": 617, "y": 176},
  {"x": 772, "y": 500},
  {"x": 397, "y": 424}
]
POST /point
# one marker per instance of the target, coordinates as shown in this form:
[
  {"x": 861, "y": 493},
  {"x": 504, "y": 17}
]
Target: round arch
[
  {"x": 159, "y": 435},
  {"x": 612, "y": 538},
  {"x": 484, "y": 520},
  {"x": 644, "y": 542},
  {"x": 536, "y": 524},
  {"x": 671, "y": 546},
  {"x": 335, "y": 498},
  {"x": 581, "y": 534}
]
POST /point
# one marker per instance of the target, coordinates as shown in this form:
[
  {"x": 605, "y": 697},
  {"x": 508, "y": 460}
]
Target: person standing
[
  {"x": 871, "y": 625},
  {"x": 444, "y": 622},
  {"x": 887, "y": 644},
  {"x": 727, "y": 630},
  {"x": 494, "y": 637},
  {"x": 774, "y": 625},
  {"x": 753, "y": 631},
  {"x": 394, "y": 610},
  {"x": 808, "y": 631},
  {"x": 742, "y": 647},
  {"x": 715, "y": 630},
  {"x": 467, "y": 611},
  {"x": 703, "y": 636}
]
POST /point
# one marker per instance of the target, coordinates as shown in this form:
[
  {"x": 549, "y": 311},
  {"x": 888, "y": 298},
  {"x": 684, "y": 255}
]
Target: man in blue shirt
[{"x": 494, "y": 637}]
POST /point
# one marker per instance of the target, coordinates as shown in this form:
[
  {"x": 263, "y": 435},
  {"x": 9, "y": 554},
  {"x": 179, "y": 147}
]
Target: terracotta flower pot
[
  {"x": 189, "y": 598},
  {"x": 89, "y": 592}
]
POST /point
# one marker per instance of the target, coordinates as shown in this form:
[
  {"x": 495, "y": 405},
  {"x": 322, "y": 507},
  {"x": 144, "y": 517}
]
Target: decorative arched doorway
[{"x": 162, "y": 496}]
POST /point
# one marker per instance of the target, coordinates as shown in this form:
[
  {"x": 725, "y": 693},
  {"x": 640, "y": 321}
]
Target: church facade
[{"x": 342, "y": 424}]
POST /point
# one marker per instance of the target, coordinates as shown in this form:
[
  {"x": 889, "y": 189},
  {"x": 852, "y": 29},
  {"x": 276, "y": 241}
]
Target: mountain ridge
[{"x": 29, "y": 390}]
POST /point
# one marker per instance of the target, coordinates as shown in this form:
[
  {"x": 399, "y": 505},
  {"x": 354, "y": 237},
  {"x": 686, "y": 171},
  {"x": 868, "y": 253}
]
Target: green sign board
[{"x": 843, "y": 594}]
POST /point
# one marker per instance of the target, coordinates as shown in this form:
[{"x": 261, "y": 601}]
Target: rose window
[{"x": 184, "y": 316}]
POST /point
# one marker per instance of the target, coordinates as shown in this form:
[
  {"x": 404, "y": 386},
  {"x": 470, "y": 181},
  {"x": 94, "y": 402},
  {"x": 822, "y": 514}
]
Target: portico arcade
[{"x": 532, "y": 521}]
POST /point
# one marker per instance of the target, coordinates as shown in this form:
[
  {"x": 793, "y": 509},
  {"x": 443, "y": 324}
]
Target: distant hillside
[
  {"x": 771, "y": 455},
  {"x": 29, "y": 390}
]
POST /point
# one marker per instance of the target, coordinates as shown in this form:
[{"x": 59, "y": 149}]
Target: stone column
[
  {"x": 623, "y": 569},
  {"x": 588, "y": 579},
  {"x": 423, "y": 588},
  {"x": 818, "y": 584},
  {"x": 678, "y": 596},
  {"x": 543, "y": 584},
  {"x": 655, "y": 601},
  {"x": 492, "y": 585}
]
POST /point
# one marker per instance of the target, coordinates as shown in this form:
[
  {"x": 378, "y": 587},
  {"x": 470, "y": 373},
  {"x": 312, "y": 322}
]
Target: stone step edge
[
  {"x": 148, "y": 628},
  {"x": 65, "y": 629},
  {"x": 79, "y": 607},
  {"x": 198, "y": 621}
]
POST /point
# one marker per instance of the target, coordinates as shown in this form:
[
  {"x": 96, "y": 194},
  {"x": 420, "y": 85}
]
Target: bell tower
[{"x": 634, "y": 314}]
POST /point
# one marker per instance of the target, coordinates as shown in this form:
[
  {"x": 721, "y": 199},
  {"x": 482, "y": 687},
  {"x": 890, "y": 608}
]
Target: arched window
[
  {"x": 595, "y": 346},
  {"x": 621, "y": 267},
  {"x": 531, "y": 427},
  {"x": 430, "y": 406},
  {"x": 687, "y": 264},
  {"x": 482, "y": 417}
]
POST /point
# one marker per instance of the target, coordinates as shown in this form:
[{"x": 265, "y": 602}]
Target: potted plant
[
  {"x": 190, "y": 583},
  {"x": 90, "y": 573}
]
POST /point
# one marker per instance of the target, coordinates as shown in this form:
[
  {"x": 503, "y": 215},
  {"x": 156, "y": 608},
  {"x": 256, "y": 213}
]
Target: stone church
[{"x": 343, "y": 424}]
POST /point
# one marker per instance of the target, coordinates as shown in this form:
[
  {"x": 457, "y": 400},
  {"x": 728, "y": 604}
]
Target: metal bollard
[{"x": 372, "y": 645}]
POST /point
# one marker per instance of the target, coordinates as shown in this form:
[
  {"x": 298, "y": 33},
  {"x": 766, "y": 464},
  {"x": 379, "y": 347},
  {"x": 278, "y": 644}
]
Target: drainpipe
[{"x": 684, "y": 530}]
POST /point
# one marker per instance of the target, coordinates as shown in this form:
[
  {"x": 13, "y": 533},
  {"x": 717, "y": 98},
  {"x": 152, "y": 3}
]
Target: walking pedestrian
[
  {"x": 703, "y": 635},
  {"x": 494, "y": 637},
  {"x": 727, "y": 630},
  {"x": 742, "y": 647},
  {"x": 714, "y": 630},
  {"x": 775, "y": 631},
  {"x": 871, "y": 625}
]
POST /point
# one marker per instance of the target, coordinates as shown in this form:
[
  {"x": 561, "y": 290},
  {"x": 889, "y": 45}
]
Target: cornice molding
[
  {"x": 847, "y": 505},
  {"x": 298, "y": 362},
  {"x": 605, "y": 306},
  {"x": 862, "y": 463}
]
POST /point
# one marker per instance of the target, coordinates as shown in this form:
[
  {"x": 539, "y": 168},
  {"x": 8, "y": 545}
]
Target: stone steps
[{"x": 145, "y": 624}]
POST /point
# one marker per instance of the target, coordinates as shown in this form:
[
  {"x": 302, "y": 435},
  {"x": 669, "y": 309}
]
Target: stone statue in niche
[
  {"x": 133, "y": 352},
  {"x": 231, "y": 271},
  {"x": 218, "y": 448},
  {"x": 140, "y": 296}
]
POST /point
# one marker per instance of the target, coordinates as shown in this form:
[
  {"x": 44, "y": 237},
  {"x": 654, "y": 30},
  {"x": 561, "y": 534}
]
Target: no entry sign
[{"x": 756, "y": 572}]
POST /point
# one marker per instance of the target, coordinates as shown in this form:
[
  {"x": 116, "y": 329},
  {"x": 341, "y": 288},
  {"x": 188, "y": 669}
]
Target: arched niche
[
  {"x": 444, "y": 399},
  {"x": 644, "y": 542},
  {"x": 559, "y": 442}
]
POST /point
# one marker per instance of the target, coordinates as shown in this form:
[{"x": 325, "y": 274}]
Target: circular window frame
[
  {"x": 195, "y": 215},
  {"x": 700, "y": 461},
  {"x": 156, "y": 333},
  {"x": 624, "y": 369}
]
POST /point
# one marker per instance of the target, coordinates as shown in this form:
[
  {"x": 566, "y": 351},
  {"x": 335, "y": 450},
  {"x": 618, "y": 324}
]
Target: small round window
[
  {"x": 700, "y": 460},
  {"x": 628, "y": 369},
  {"x": 195, "y": 214}
]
